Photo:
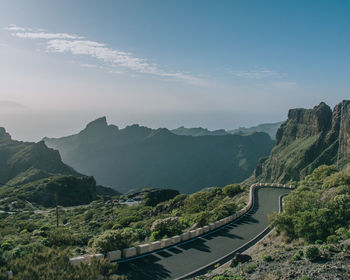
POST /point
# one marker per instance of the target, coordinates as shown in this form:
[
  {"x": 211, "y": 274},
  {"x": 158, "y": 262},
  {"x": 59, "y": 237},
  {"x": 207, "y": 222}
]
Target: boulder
[{"x": 240, "y": 258}]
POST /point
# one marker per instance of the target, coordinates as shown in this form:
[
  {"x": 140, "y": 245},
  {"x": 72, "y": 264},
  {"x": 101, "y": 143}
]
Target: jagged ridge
[{"x": 308, "y": 139}]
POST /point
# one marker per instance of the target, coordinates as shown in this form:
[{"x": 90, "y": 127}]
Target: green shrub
[
  {"x": 336, "y": 179},
  {"x": 321, "y": 173},
  {"x": 88, "y": 215},
  {"x": 62, "y": 237},
  {"x": 332, "y": 239},
  {"x": 166, "y": 227},
  {"x": 7, "y": 245},
  {"x": 312, "y": 253},
  {"x": 111, "y": 240},
  {"x": 232, "y": 190},
  {"x": 312, "y": 212},
  {"x": 202, "y": 218},
  {"x": 297, "y": 257},
  {"x": 305, "y": 278},
  {"x": 224, "y": 210},
  {"x": 54, "y": 264},
  {"x": 249, "y": 268},
  {"x": 267, "y": 258}
]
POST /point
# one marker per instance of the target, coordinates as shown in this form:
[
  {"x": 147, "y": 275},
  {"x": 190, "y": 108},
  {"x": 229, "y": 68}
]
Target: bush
[
  {"x": 224, "y": 210},
  {"x": 88, "y": 215},
  {"x": 203, "y": 218},
  {"x": 321, "y": 172},
  {"x": 336, "y": 179},
  {"x": 249, "y": 268},
  {"x": 54, "y": 264},
  {"x": 332, "y": 239},
  {"x": 297, "y": 257},
  {"x": 62, "y": 237},
  {"x": 312, "y": 253},
  {"x": 313, "y": 212},
  {"x": 166, "y": 227},
  {"x": 267, "y": 258},
  {"x": 112, "y": 240},
  {"x": 232, "y": 190}
]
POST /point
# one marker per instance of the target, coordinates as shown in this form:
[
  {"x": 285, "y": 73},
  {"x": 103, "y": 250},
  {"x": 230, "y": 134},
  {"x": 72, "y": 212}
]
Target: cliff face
[
  {"x": 22, "y": 162},
  {"x": 36, "y": 173},
  {"x": 309, "y": 138}
]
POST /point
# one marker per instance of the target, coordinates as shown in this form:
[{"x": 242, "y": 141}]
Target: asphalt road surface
[{"x": 184, "y": 258}]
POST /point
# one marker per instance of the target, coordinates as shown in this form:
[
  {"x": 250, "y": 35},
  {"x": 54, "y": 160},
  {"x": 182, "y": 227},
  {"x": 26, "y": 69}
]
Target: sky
[{"x": 161, "y": 63}]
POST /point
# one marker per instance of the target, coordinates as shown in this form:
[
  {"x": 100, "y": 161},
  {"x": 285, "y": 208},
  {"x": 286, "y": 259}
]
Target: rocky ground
[{"x": 276, "y": 258}]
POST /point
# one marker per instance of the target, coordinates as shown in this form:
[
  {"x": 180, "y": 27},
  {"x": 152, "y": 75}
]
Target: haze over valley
[{"x": 161, "y": 140}]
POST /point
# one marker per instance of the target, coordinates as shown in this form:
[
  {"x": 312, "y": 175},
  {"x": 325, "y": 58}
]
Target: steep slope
[
  {"x": 197, "y": 131},
  {"x": 36, "y": 173},
  {"x": 308, "y": 139},
  {"x": 269, "y": 128},
  {"x": 136, "y": 156},
  {"x": 23, "y": 162}
]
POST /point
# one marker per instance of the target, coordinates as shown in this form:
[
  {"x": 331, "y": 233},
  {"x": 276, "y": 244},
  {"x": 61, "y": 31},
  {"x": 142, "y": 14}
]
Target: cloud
[
  {"x": 44, "y": 35},
  {"x": 14, "y": 27},
  {"x": 88, "y": 65},
  {"x": 79, "y": 46},
  {"x": 257, "y": 74},
  {"x": 118, "y": 58}
]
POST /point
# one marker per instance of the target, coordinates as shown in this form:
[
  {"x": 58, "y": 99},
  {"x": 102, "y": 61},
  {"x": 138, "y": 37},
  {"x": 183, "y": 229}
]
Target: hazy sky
[{"x": 216, "y": 64}]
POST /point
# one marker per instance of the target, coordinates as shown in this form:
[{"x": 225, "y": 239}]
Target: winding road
[{"x": 180, "y": 261}]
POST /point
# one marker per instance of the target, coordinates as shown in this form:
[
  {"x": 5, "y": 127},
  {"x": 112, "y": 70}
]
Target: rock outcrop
[{"x": 308, "y": 139}]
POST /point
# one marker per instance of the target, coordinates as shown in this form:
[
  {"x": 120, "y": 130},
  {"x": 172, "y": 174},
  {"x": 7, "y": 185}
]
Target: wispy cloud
[
  {"x": 14, "y": 27},
  {"x": 44, "y": 35},
  {"x": 79, "y": 46},
  {"x": 88, "y": 65},
  {"x": 257, "y": 74}
]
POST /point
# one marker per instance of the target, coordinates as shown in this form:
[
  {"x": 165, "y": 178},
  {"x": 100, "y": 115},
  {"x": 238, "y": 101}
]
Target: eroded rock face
[
  {"x": 304, "y": 123},
  {"x": 308, "y": 139}
]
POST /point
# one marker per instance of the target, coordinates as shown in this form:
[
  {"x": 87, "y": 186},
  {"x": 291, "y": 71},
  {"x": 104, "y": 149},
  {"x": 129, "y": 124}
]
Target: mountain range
[
  {"x": 35, "y": 173},
  {"x": 135, "y": 157},
  {"x": 198, "y": 131},
  {"x": 269, "y": 128}
]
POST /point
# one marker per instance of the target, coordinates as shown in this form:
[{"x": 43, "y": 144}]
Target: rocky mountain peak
[
  {"x": 308, "y": 139},
  {"x": 98, "y": 123},
  {"x": 304, "y": 123},
  {"x": 4, "y": 134}
]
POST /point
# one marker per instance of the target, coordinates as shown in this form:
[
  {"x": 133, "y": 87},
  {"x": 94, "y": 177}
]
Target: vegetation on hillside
[
  {"x": 318, "y": 208},
  {"x": 29, "y": 239},
  {"x": 311, "y": 237},
  {"x": 32, "y": 176}
]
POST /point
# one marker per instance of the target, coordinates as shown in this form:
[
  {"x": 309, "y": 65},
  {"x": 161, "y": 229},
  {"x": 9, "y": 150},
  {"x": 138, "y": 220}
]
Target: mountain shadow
[{"x": 137, "y": 156}]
